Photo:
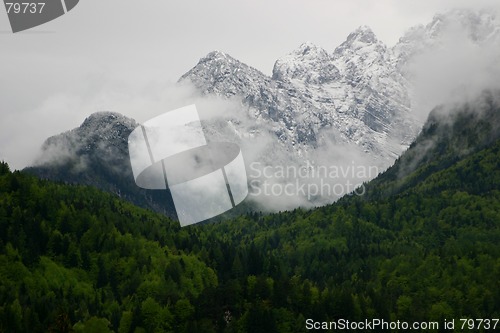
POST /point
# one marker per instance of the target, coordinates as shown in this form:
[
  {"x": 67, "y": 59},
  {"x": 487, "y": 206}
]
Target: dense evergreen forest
[
  {"x": 74, "y": 258},
  {"x": 423, "y": 246}
]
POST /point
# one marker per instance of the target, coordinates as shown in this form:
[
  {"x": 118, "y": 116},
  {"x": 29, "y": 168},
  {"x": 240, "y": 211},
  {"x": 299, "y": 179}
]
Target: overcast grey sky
[{"x": 120, "y": 55}]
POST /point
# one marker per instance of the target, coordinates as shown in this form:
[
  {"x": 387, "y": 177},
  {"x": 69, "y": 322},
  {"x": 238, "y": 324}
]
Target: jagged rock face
[
  {"x": 348, "y": 97},
  {"x": 359, "y": 94},
  {"x": 223, "y": 75},
  {"x": 270, "y": 100},
  {"x": 380, "y": 93},
  {"x": 309, "y": 63}
]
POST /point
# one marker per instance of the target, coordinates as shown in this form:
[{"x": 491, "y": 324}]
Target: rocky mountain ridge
[{"x": 360, "y": 94}]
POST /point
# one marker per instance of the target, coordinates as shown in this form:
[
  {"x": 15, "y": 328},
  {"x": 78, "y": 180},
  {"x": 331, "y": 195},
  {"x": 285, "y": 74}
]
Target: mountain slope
[
  {"x": 96, "y": 154},
  {"x": 73, "y": 257}
]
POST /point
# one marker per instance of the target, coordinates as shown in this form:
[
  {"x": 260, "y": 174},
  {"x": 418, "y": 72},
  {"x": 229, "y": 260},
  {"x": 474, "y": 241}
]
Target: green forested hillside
[
  {"x": 421, "y": 246},
  {"x": 73, "y": 257},
  {"x": 447, "y": 137}
]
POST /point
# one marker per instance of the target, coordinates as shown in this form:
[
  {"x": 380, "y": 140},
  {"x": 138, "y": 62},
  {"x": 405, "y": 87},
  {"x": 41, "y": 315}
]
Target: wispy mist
[{"x": 459, "y": 65}]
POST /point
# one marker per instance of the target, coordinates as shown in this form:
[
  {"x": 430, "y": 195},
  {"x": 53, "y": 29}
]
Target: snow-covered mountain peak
[
  {"x": 361, "y": 38},
  {"x": 361, "y": 52},
  {"x": 308, "y": 63},
  {"x": 103, "y": 120},
  {"x": 222, "y": 74},
  {"x": 217, "y": 62},
  {"x": 363, "y": 34},
  {"x": 309, "y": 49},
  {"x": 102, "y": 134},
  {"x": 217, "y": 56}
]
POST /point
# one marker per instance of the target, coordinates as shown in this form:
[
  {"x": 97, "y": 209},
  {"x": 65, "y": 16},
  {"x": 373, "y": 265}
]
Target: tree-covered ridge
[
  {"x": 447, "y": 137},
  {"x": 72, "y": 254},
  {"x": 429, "y": 252}
]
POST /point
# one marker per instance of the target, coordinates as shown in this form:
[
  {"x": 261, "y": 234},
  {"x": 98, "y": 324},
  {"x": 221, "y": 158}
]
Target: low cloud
[
  {"x": 282, "y": 176},
  {"x": 456, "y": 70}
]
